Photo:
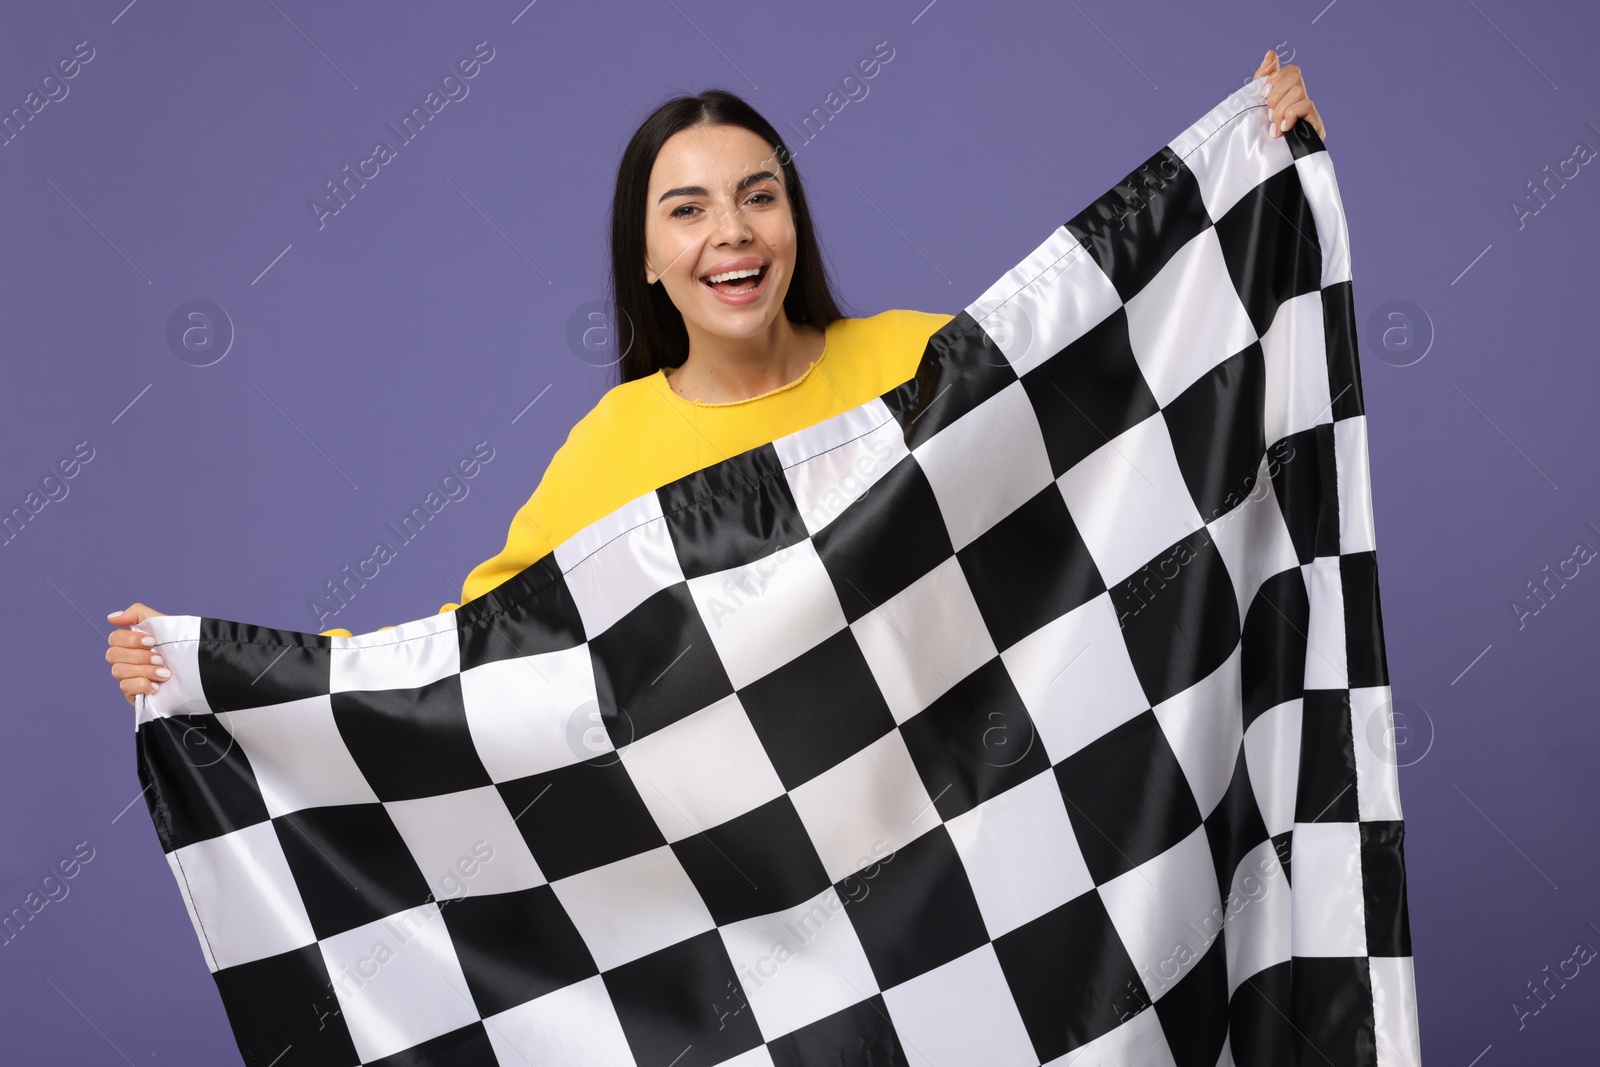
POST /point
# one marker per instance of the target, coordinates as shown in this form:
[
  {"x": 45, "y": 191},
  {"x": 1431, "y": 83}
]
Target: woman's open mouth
[{"x": 738, "y": 286}]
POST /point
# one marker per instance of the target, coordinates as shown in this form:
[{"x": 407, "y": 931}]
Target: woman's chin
[{"x": 730, "y": 325}]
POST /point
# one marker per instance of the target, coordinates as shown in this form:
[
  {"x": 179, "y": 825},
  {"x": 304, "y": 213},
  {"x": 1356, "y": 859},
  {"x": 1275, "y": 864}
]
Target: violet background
[{"x": 431, "y": 311}]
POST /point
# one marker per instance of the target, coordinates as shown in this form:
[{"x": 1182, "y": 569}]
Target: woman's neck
[{"x": 721, "y": 369}]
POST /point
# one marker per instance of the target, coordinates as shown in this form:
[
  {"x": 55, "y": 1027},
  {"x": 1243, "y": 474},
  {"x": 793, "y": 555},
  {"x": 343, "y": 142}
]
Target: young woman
[{"x": 736, "y": 341}]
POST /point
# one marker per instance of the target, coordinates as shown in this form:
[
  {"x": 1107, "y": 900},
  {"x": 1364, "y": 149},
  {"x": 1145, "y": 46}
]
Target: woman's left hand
[{"x": 1286, "y": 97}]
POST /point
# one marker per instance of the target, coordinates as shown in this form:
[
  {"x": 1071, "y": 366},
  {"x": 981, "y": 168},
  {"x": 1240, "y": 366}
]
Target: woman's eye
[{"x": 757, "y": 199}]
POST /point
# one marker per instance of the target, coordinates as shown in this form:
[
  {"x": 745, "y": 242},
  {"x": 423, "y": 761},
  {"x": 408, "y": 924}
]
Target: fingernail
[
  {"x": 155, "y": 657},
  {"x": 155, "y": 687},
  {"x": 113, "y": 615},
  {"x": 162, "y": 672},
  {"x": 147, "y": 641},
  {"x": 1284, "y": 126}
]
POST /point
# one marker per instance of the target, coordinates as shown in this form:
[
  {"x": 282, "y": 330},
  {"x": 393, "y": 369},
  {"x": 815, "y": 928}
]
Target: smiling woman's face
[{"x": 717, "y": 204}]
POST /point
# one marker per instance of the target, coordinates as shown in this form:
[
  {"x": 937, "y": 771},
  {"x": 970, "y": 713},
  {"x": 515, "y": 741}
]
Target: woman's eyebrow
[{"x": 700, "y": 190}]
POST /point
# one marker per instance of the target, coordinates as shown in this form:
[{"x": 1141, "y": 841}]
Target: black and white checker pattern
[{"x": 1024, "y": 715}]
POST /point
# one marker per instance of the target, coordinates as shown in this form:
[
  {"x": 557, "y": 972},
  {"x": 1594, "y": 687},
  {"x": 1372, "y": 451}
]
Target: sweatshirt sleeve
[
  {"x": 624, "y": 446},
  {"x": 525, "y": 544},
  {"x": 340, "y": 631}
]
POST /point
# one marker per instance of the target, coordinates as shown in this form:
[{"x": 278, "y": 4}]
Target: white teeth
[{"x": 732, "y": 274}]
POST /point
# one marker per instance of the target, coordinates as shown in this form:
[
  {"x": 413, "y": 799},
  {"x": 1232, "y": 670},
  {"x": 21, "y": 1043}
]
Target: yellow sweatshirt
[{"x": 642, "y": 435}]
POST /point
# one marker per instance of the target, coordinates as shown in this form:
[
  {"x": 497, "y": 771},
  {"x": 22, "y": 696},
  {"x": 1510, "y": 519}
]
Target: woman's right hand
[{"x": 133, "y": 665}]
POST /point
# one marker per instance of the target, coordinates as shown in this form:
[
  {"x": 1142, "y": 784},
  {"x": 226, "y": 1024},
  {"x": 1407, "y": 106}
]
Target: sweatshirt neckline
[{"x": 827, "y": 340}]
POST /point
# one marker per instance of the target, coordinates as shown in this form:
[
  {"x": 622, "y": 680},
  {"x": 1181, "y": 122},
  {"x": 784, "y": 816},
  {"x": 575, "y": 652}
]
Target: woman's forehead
[{"x": 717, "y": 157}]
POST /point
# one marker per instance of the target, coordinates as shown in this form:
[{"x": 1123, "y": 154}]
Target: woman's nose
[{"x": 731, "y": 224}]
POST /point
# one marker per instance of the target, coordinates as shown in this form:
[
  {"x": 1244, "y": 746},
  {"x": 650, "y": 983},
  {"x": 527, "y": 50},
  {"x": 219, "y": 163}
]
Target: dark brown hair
[{"x": 658, "y": 337}]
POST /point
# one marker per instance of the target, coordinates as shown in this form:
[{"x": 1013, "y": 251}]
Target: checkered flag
[{"x": 1035, "y": 712}]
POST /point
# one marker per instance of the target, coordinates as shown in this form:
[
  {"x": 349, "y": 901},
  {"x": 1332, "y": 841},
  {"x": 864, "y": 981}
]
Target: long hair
[{"x": 658, "y": 337}]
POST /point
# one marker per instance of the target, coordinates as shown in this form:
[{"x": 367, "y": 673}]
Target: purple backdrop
[{"x": 246, "y": 395}]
